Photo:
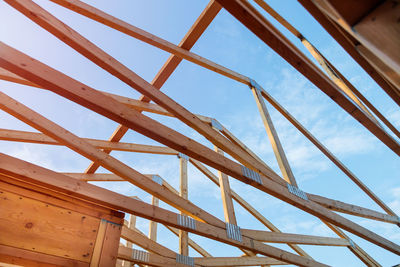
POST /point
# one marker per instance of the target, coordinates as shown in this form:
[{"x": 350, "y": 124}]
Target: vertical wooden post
[
  {"x": 153, "y": 224},
  {"x": 274, "y": 139},
  {"x": 225, "y": 188},
  {"x": 183, "y": 235},
  {"x": 98, "y": 246},
  {"x": 131, "y": 225}
]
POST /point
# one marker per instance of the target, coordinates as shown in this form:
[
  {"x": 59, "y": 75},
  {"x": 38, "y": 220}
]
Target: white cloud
[{"x": 33, "y": 155}]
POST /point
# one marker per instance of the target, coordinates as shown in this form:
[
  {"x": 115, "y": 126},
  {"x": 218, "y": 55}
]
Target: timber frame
[{"x": 356, "y": 32}]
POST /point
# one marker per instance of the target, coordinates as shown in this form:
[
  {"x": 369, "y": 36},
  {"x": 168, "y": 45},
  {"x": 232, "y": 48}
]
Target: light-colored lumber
[
  {"x": 273, "y": 237},
  {"x": 183, "y": 192},
  {"x": 237, "y": 261},
  {"x": 153, "y": 225},
  {"x": 39, "y": 138},
  {"x": 131, "y": 225},
  {"x": 274, "y": 139},
  {"x": 229, "y": 211},
  {"x": 355, "y": 210},
  {"x": 98, "y": 245}
]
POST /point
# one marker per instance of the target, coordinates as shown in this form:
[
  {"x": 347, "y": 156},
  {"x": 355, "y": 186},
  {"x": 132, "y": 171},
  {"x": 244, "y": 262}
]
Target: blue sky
[{"x": 230, "y": 44}]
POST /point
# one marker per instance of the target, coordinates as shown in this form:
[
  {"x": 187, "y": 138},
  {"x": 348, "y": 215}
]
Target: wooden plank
[
  {"x": 255, "y": 22},
  {"x": 54, "y": 181},
  {"x": 226, "y": 197},
  {"x": 274, "y": 237},
  {"x": 105, "y": 105},
  {"x": 49, "y": 229},
  {"x": 109, "y": 251},
  {"x": 39, "y": 138},
  {"x": 274, "y": 139},
  {"x": 355, "y": 210},
  {"x": 237, "y": 261},
  {"x": 98, "y": 245},
  {"x": 183, "y": 192},
  {"x": 349, "y": 45},
  {"x": 131, "y": 225},
  {"x": 23, "y": 257},
  {"x": 97, "y": 176},
  {"x": 152, "y": 224}
]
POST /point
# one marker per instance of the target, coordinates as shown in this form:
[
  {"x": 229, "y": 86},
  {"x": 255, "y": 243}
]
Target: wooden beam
[
  {"x": 97, "y": 177},
  {"x": 19, "y": 169},
  {"x": 274, "y": 138},
  {"x": 229, "y": 211},
  {"x": 273, "y": 237},
  {"x": 84, "y": 95},
  {"x": 255, "y": 22},
  {"x": 39, "y": 138},
  {"x": 237, "y": 261},
  {"x": 98, "y": 245},
  {"x": 153, "y": 225},
  {"x": 355, "y": 210},
  {"x": 131, "y": 225},
  {"x": 183, "y": 192}
]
